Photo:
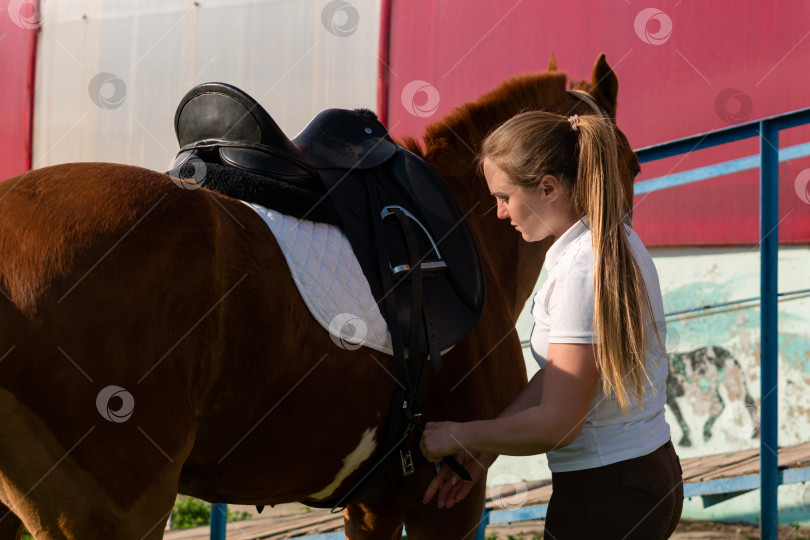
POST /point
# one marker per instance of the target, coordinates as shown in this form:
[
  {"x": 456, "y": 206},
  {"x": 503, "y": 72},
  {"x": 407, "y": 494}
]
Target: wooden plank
[
  {"x": 696, "y": 469},
  {"x": 744, "y": 462}
]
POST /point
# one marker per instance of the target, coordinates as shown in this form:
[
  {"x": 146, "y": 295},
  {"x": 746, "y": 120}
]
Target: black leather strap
[
  {"x": 389, "y": 301},
  {"x": 431, "y": 334}
]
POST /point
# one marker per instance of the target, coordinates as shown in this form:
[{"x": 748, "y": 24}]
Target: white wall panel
[{"x": 278, "y": 51}]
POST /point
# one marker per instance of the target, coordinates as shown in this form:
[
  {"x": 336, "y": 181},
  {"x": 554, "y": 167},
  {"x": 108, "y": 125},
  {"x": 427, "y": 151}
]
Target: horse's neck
[{"x": 513, "y": 265}]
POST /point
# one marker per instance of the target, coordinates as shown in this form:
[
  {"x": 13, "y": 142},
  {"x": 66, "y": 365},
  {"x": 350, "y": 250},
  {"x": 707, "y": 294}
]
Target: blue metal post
[
  {"x": 219, "y": 515},
  {"x": 769, "y": 329}
]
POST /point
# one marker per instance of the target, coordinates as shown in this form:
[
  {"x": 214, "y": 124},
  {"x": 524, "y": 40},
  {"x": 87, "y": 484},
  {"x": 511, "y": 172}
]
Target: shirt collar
[{"x": 566, "y": 239}]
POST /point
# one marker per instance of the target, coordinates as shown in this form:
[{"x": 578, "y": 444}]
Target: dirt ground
[
  {"x": 687, "y": 530},
  {"x": 531, "y": 530}
]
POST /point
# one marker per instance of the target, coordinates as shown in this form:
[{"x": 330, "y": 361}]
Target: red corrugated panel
[
  {"x": 670, "y": 90},
  {"x": 18, "y": 32}
]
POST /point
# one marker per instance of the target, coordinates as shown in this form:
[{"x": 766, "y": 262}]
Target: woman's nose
[{"x": 503, "y": 213}]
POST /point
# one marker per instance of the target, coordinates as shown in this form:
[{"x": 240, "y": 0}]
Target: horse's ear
[
  {"x": 605, "y": 85},
  {"x": 552, "y": 64}
]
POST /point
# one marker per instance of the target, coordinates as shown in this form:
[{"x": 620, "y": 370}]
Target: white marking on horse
[{"x": 350, "y": 463}]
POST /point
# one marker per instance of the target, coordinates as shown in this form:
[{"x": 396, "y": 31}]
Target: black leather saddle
[
  {"x": 410, "y": 237},
  {"x": 343, "y": 154}
]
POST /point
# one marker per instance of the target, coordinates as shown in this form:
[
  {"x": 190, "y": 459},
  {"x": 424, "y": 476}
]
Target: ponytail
[{"x": 623, "y": 318}]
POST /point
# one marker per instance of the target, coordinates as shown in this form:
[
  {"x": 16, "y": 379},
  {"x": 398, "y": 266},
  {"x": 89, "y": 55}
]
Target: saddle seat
[{"x": 219, "y": 123}]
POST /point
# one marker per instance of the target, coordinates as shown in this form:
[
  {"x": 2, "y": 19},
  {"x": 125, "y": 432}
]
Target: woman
[{"x": 597, "y": 404}]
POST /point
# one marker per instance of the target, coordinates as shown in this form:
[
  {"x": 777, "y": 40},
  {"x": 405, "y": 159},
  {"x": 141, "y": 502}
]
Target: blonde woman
[{"x": 597, "y": 404}]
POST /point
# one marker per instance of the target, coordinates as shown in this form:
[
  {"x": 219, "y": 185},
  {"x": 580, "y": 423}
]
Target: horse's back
[
  {"x": 104, "y": 271},
  {"x": 56, "y": 223}
]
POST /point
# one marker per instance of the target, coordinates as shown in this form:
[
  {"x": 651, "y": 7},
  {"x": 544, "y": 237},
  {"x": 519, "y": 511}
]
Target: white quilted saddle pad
[{"x": 330, "y": 280}]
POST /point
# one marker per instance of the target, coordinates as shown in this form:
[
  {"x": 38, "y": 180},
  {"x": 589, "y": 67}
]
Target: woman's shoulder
[
  {"x": 576, "y": 266},
  {"x": 582, "y": 250}
]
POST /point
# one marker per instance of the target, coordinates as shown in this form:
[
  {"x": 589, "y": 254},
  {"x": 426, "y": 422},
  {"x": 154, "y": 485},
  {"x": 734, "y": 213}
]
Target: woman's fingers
[
  {"x": 442, "y": 484},
  {"x": 434, "y": 486},
  {"x": 445, "y": 495},
  {"x": 447, "y": 487},
  {"x": 460, "y": 492}
]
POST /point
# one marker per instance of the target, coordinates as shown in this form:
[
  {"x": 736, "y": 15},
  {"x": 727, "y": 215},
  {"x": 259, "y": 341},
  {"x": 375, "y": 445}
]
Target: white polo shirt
[{"x": 563, "y": 313}]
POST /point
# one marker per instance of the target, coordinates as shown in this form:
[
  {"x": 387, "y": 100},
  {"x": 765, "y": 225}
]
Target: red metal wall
[
  {"x": 18, "y": 33},
  {"x": 668, "y": 90}
]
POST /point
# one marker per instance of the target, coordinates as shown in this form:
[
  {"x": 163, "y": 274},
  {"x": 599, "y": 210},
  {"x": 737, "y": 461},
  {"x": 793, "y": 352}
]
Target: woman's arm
[
  {"x": 568, "y": 386},
  {"x": 448, "y": 486},
  {"x": 529, "y": 397}
]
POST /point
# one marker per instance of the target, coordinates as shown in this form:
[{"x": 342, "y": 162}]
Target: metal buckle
[{"x": 407, "y": 462}]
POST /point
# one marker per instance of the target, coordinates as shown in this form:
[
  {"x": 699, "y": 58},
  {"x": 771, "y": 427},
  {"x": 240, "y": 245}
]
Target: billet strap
[{"x": 431, "y": 335}]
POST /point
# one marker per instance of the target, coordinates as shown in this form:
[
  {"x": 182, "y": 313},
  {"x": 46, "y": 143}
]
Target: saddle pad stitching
[{"x": 317, "y": 250}]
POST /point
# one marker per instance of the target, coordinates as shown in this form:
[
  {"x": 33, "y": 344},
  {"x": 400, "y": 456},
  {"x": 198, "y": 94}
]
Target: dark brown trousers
[{"x": 640, "y": 498}]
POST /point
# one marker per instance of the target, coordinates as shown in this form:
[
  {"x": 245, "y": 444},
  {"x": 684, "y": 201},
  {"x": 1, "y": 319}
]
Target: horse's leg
[
  {"x": 429, "y": 522},
  {"x": 376, "y": 520},
  {"x": 675, "y": 389},
  {"x": 752, "y": 411},
  {"x": 707, "y": 427},
  {"x": 56, "y": 498},
  {"x": 10, "y": 525}
]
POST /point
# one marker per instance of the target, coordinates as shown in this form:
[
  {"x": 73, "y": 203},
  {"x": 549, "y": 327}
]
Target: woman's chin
[{"x": 529, "y": 237}]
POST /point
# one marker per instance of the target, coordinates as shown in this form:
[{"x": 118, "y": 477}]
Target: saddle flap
[
  {"x": 343, "y": 139},
  {"x": 455, "y": 294},
  {"x": 448, "y": 226}
]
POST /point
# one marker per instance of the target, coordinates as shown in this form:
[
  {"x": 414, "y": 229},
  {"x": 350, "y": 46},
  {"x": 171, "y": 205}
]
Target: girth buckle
[{"x": 406, "y": 459}]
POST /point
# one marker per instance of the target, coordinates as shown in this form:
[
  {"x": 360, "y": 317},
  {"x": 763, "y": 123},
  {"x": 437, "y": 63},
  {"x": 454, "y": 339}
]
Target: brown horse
[{"x": 153, "y": 341}]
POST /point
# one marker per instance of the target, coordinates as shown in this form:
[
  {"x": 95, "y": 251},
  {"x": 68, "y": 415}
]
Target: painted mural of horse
[
  {"x": 698, "y": 375},
  {"x": 149, "y": 344}
]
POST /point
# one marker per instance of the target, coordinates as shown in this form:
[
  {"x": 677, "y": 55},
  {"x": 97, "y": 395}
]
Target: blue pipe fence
[
  {"x": 767, "y": 130},
  {"x": 770, "y": 477}
]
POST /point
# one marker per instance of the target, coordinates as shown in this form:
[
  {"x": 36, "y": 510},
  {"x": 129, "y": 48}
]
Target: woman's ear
[{"x": 550, "y": 187}]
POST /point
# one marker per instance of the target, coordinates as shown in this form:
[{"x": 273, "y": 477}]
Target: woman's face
[{"x": 537, "y": 213}]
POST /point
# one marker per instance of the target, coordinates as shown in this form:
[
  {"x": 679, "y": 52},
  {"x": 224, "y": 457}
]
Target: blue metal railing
[{"x": 767, "y": 130}]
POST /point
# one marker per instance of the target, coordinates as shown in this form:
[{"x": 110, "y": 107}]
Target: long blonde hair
[{"x": 536, "y": 143}]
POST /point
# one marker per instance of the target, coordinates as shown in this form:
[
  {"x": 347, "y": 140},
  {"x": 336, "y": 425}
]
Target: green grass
[{"x": 191, "y": 512}]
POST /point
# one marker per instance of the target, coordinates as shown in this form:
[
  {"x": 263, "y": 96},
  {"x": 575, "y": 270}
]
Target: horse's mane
[{"x": 462, "y": 130}]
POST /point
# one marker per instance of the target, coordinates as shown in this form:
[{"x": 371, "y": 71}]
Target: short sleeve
[{"x": 571, "y": 303}]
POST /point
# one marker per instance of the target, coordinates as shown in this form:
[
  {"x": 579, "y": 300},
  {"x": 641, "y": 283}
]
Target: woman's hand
[
  {"x": 440, "y": 439},
  {"x": 450, "y": 487}
]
